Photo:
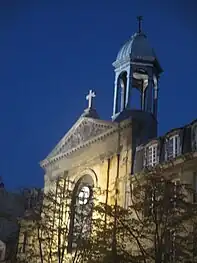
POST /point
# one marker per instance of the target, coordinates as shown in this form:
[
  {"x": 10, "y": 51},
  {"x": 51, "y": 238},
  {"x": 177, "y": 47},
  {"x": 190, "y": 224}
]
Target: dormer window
[
  {"x": 151, "y": 155},
  {"x": 172, "y": 147}
]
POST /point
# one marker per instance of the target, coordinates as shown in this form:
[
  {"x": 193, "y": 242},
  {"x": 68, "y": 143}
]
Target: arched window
[{"x": 81, "y": 212}]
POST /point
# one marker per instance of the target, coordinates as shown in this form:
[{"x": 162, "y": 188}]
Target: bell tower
[{"x": 137, "y": 71}]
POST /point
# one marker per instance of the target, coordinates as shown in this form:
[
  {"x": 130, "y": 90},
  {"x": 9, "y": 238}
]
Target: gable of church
[{"x": 84, "y": 130}]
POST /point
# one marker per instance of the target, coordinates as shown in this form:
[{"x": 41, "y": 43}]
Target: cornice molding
[{"x": 52, "y": 160}]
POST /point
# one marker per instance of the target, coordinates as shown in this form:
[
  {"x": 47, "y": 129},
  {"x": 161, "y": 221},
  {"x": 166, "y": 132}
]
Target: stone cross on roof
[{"x": 89, "y": 97}]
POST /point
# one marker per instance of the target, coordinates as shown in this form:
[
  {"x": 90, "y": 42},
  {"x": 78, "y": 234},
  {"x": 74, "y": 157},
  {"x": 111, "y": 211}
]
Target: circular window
[{"x": 84, "y": 195}]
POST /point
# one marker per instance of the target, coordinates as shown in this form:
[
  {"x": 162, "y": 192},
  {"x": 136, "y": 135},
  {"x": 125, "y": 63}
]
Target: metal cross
[
  {"x": 140, "y": 18},
  {"x": 89, "y": 97}
]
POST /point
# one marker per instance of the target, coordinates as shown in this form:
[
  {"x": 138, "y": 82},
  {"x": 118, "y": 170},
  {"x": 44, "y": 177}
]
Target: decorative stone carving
[{"x": 83, "y": 132}]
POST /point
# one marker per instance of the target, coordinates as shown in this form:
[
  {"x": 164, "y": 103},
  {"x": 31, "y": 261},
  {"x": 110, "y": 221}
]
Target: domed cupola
[
  {"x": 137, "y": 70},
  {"x": 137, "y": 47}
]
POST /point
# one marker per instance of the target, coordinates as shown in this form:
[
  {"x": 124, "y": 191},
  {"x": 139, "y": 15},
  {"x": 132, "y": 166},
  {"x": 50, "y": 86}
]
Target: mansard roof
[{"x": 188, "y": 145}]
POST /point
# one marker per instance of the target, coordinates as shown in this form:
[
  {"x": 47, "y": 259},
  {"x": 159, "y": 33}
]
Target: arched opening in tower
[
  {"x": 121, "y": 91},
  {"x": 139, "y": 90},
  {"x": 136, "y": 99}
]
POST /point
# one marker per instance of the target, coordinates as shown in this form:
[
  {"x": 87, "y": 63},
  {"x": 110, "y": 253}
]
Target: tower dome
[{"x": 137, "y": 47}]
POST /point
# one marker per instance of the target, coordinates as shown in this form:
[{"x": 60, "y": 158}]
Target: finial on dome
[{"x": 139, "y": 18}]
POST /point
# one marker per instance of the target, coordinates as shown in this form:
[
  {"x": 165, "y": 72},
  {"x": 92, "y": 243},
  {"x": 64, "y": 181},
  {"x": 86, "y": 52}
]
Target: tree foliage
[
  {"x": 158, "y": 225},
  {"x": 47, "y": 227}
]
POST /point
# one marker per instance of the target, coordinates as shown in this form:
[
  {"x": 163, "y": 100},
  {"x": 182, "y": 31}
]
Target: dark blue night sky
[{"x": 53, "y": 52}]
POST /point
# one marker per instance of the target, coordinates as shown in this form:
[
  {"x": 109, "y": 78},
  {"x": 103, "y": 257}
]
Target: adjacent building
[{"x": 13, "y": 206}]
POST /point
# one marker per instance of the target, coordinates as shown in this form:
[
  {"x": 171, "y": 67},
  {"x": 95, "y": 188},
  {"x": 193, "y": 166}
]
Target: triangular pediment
[{"x": 84, "y": 130}]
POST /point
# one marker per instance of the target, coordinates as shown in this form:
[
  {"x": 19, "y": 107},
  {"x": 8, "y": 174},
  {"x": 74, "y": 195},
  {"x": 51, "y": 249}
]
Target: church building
[
  {"x": 96, "y": 153},
  {"x": 102, "y": 153}
]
